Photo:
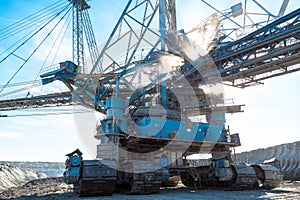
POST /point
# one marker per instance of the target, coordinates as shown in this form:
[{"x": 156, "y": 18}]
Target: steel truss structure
[{"x": 268, "y": 52}]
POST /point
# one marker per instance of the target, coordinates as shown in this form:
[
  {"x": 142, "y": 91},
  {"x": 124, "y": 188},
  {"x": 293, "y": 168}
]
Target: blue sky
[{"x": 271, "y": 111}]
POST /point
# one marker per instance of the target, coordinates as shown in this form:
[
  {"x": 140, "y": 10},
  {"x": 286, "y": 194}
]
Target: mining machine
[{"x": 153, "y": 84}]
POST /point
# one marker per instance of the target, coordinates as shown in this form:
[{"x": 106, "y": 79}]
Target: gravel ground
[{"x": 55, "y": 188}]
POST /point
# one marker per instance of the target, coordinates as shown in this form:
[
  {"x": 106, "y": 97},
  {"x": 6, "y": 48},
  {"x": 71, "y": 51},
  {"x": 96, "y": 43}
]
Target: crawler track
[{"x": 98, "y": 179}]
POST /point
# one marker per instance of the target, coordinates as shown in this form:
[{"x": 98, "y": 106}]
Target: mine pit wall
[{"x": 287, "y": 154}]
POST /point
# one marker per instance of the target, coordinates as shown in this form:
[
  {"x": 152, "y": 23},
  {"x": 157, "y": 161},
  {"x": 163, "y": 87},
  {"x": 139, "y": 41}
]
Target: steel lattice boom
[
  {"x": 162, "y": 97},
  {"x": 54, "y": 99},
  {"x": 271, "y": 51},
  {"x": 268, "y": 52}
]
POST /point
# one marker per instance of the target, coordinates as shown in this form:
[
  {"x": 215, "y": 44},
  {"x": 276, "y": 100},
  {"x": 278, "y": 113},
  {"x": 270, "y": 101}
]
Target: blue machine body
[
  {"x": 154, "y": 124},
  {"x": 73, "y": 167},
  {"x": 146, "y": 121},
  {"x": 169, "y": 129},
  {"x": 66, "y": 73}
]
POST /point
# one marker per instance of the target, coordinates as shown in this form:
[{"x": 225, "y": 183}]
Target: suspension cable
[
  {"x": 32, "y": 18},
  {"x": 60, "y": 43},
  {"x": 47, "y": 114},
  {"x": 26, "y": 35},
  {"x": 36, "y": 84},
  {"x": 24, "y": 27},
  {"x": 65, "y": 28},
  {"x": 20, "y": 83},
  {"x": 57, "y": 14},
  {"x": 66, "y": 8}
]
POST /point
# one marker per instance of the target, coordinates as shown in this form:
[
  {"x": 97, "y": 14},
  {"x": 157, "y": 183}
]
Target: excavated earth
[
  {"x": 19, "y": 183},
  {"x": 288, "y": 155},
  {"x": 55, "y": 188},
  {"x": 12, "y": 176}
]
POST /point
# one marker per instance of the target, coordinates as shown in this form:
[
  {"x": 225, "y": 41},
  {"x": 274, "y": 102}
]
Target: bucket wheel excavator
[{"x": 154, "y": 84}]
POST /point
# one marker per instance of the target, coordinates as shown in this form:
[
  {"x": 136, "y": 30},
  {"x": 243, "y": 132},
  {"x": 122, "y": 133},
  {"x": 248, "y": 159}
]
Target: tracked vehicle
[
  {"x": 152, "y": 99},
  {"x": 143, "y": 146},
  {"x": 162, "y": 99}
]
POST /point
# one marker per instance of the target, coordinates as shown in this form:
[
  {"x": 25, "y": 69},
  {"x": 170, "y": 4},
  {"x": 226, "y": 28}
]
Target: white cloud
[{"x": 11, "y": 135}]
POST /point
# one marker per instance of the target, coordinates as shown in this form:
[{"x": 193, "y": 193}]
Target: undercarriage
[{"x": 120, "y": 167}]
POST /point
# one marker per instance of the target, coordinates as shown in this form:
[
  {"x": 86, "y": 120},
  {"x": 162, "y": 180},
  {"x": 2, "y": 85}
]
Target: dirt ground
[{"x": 55, "y": 188}]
